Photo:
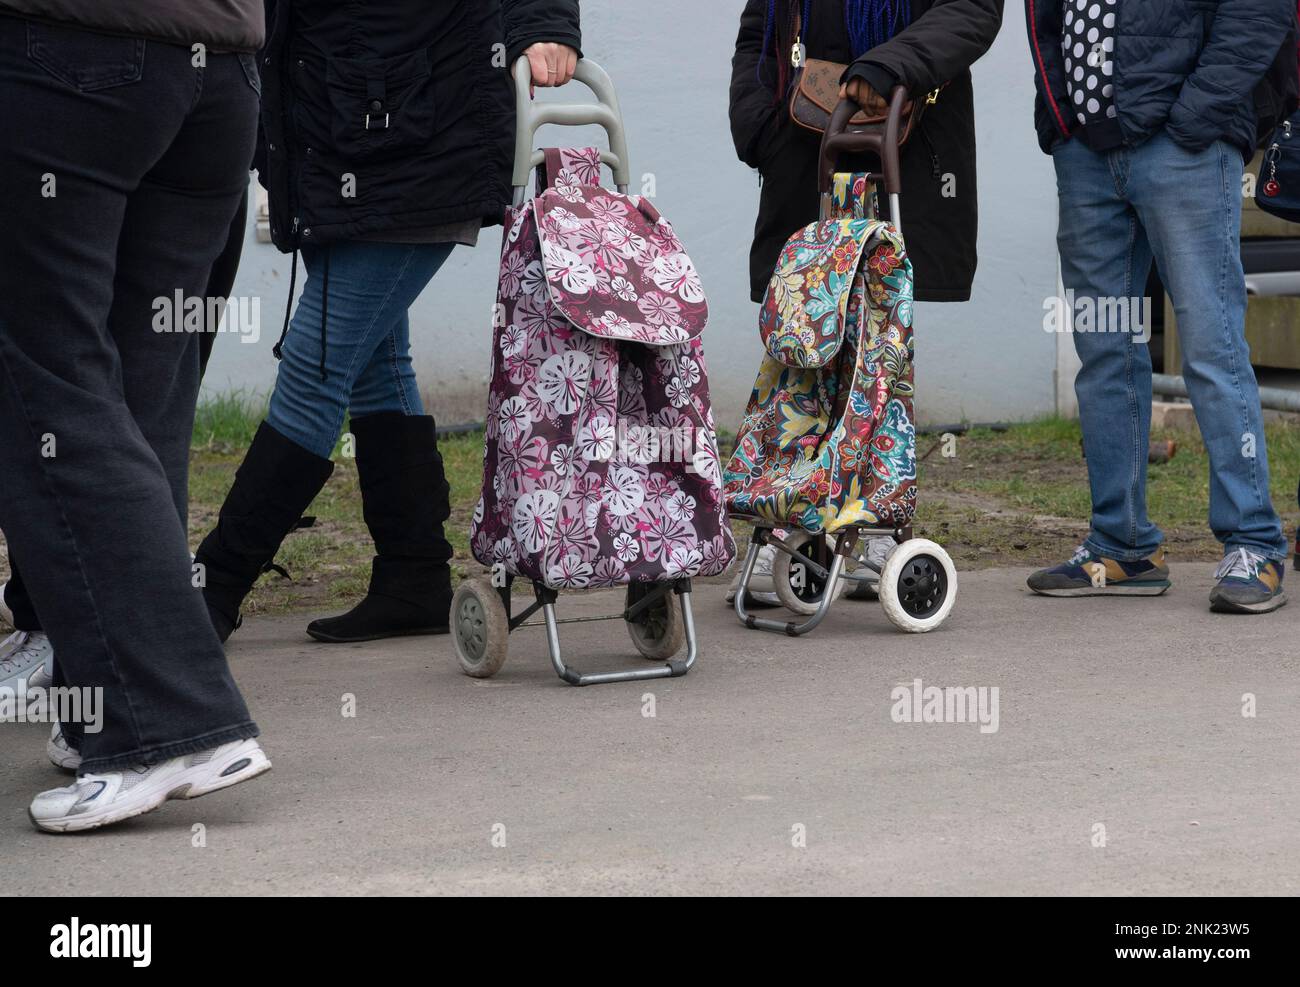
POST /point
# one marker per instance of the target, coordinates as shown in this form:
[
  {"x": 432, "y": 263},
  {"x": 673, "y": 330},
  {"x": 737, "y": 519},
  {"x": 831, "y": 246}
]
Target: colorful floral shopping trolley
[
  {"x": 826, "y": 453},
  {"x": 601, "y": 468}
]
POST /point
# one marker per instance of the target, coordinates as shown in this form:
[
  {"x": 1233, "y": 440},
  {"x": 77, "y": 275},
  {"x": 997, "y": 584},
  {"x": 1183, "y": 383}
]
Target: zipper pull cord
[{"x": 278, "y": 349}]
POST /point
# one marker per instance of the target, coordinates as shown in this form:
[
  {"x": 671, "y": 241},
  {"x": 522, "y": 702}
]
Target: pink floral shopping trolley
[
  {"x": 600, "y": 464},
  {"x": 826, "y": 453}
]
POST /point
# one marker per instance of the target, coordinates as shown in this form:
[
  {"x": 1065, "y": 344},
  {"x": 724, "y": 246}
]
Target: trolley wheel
[
  {"x": 659, "y": 632},
  {"x": 480, "y": 627},
  {"x": 800, "y": 589},
  {"x": 918, "y": 586}
]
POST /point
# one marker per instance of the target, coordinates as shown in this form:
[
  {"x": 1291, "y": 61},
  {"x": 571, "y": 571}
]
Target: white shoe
[
  {"x": 26, "y": 657},
  {"x": 95, "y": 800},
  {"x": 761, "y": 588},
  {"x": 61, "y": 753}
]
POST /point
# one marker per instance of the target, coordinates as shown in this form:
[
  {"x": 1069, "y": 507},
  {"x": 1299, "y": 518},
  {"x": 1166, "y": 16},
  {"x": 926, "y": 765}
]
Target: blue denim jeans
[
  {"x": 367, "y": 340},
  {"x": 1118, "y": 211}
]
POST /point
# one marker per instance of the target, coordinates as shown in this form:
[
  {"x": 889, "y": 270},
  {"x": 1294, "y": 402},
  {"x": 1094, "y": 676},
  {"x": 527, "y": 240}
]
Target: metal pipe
[{"x": 1272, "y": 398}]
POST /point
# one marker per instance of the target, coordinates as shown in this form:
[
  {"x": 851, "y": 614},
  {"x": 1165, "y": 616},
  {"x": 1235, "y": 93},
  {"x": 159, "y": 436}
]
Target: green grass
[{"x": 1018, "y": 497}]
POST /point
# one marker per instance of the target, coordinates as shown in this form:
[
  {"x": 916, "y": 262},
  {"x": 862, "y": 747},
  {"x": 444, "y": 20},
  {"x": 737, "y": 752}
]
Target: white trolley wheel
[
  {"x": 918, "y": 586},
  {"x": 805, "y": 598},
  {"x": 480, "y": 628},
  {"x": 661, "y": 631}
]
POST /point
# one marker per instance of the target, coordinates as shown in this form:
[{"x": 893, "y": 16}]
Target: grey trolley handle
[{"x": 530, "y": 115}]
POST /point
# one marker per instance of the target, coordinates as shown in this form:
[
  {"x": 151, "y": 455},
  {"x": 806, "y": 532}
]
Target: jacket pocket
[
  {"x": 380, "y": 107},
  {"x": 84, "y": 60}
]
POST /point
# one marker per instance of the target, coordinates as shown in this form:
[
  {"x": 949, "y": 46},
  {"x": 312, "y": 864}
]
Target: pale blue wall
[{"x": 989, "y": 359}]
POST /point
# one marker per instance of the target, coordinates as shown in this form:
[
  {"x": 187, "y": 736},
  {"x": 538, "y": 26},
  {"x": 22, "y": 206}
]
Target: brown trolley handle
[{"x": 881, "y": 142}]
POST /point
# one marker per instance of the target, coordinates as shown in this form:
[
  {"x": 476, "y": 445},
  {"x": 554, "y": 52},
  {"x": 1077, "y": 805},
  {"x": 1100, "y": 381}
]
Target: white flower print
[
  {"x": 679, "y": 392},
  {"x": 680, "y": 506},
  {"x": 609, "y": 572},
  {"x": 623, "y": 289},
  {"x": 626, "y": 548},
  {"x": 562, "y": 381},
  {"x": 562, "y": 459},
  {"x": 533, "y": 518},
  {"x": 566, "y": 268},
  {"x": 512, "y": 269},
  {"x": 570, "y": 572},
  {"x": 624, "y": 493},
  {"x": 567, "y": 186},
  {"x": 683, "y": 562},
  {"x": 660, "y": 309},
  {"x": 513, "y": 340},
  {"x": 514, "y": 419},
  {"x": 596, "y": 440},
  {"x": 675, "y": 273}
]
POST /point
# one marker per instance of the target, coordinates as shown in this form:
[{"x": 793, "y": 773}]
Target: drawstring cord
[{"x": 278, "y": 349}]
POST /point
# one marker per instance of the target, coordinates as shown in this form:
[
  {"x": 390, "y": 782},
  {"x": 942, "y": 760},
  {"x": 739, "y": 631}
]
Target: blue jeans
[
  {"x": 367, "y": 345},
  {"x": 1118, "y": 211}
]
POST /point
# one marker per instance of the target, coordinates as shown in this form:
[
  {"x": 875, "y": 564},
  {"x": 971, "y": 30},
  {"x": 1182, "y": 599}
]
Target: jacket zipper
[{"x": 1042, "y": 70}]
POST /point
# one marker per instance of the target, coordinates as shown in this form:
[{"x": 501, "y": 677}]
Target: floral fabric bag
[
  {"x": 828, "y": 439},
  {"x": 601, "y": 465}
]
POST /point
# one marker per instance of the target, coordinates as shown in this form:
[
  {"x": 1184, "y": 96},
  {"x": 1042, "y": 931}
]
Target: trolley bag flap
[
  {"x": 614, "y": 266},
  {"x": 805, "y": 308}
]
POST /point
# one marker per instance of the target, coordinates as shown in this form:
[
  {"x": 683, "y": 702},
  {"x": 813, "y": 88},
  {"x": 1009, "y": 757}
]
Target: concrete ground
[{"x": 1120, "y": 723}]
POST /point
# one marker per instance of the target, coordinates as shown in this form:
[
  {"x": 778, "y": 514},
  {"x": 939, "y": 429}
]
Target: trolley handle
[
  {"x": 605, "y": 112},
  {"x": 838, "y": 140}
]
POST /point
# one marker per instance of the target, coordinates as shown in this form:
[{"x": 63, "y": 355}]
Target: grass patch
[{"x": 1018, "y": 497}]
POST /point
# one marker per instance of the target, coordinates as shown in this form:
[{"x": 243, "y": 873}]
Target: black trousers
[
  {"x": 123, "y": 166},
  {"x": 220, "y": 283}
]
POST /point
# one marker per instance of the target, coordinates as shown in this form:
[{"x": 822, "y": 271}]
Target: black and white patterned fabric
[{"x": 1088, "y": 43}]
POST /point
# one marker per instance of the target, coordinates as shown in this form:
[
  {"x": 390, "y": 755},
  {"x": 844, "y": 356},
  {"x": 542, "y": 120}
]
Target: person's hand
[
  {"x": 858, "y": 90},
  {"x": 552, "y": 64}
]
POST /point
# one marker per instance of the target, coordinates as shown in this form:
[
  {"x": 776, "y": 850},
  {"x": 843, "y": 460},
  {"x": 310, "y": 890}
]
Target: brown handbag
[{"x": 817, "y": 91}]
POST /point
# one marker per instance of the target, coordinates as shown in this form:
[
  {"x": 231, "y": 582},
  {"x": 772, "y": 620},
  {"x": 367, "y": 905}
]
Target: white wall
[{"x": 986, "y": 360}]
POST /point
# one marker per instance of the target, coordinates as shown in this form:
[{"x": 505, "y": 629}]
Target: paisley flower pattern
[
  {"x": 828, "y": 439},
  {"x": 597, "y": 359}
]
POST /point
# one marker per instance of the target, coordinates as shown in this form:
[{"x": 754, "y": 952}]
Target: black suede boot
[
  {"x": 406, "y": 499},
  {"x": 276, "y": 482}
]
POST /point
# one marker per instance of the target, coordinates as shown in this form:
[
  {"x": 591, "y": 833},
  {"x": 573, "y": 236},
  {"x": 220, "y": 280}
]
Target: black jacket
[
  {"x": 943, "y": 40},
  {"x": 223, "y": 25},
  {"x": 1191, "y": 67},
  {"x": 388, "y": 115}
]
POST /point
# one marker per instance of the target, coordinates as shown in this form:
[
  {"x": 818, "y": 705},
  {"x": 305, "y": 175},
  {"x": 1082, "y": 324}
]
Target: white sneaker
[
  {"x": 761, "y": 588},
  {"x": 61, "y": 753},
  {"x": 95, "y": 800},
  {"x": 26, "y": 657}
]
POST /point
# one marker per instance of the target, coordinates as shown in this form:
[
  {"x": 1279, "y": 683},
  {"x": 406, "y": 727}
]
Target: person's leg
[
  {"x": 1190, "y": 203},
  {"x": 361, "y": 289},
  {"x": 1105, "y": 256},
  {"x": 17, "y": 601},
  {"x": 222, "y": 278},
  {"x": 406, "y": 501},
  {"x": 86, "y": 502}
]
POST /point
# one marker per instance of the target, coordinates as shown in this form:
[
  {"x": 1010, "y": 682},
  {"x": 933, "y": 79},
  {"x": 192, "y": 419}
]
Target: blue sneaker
[
  {"x": 1087, "y": 574},
  {"x": 1247, "y": 583}
]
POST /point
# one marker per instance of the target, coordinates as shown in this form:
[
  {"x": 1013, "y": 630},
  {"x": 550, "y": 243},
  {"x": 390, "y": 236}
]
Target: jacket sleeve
[
  {"x": 937, "y": 47},
  {"x": 753, "y": 106},
  {"x": 528, "y": 22},
  {"x": 1243, "y": 43}
]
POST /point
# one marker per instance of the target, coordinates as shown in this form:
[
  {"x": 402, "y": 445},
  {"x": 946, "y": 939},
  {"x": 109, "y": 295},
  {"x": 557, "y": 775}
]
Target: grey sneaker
[
  {"x": 96, "y": 800},
  {"x": 61, "y": 753},
  {"x": 26, "y": 657},
  {"x": 1247, "y": 583}
]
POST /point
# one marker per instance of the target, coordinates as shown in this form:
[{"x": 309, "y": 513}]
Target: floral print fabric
[
  {"x": 828, "y": 439},
  {"x": 600, "y": 464}
]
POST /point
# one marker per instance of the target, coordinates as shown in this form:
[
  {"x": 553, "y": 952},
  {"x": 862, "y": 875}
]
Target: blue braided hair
[{"x": 869, "y": 23}]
